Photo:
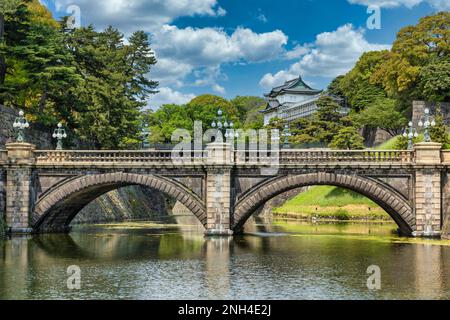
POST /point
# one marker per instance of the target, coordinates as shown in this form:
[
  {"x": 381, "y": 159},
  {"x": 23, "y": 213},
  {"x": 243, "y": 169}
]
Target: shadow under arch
[
  {"x": 386, "y": 197},
  {"x": 55, "y": 210}
]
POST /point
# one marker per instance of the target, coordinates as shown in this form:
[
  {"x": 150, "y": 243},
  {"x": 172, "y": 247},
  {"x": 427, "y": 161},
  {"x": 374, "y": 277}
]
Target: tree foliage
[
  {"x": 93, "y": 81},
  {"x": 415, "y": 48},
  {"x": 347, "y": 138},
  {"x": 439, "y": 133},
  {"x": 356, "y": 86},
  {"x": 384, "y": 114}
]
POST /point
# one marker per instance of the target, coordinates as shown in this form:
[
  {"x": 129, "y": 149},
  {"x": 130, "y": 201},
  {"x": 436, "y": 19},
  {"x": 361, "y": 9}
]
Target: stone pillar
[
  {"x": 428, "y": 185},
  {"x": 18, "y": 187},
  {"x": 218, "y": 189},
  {"x": 446, "y": 201}
]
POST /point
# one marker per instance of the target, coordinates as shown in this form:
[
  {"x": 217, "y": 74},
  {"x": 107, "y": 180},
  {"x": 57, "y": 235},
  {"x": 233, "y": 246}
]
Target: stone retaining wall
[{"x": 39, "y": 135}]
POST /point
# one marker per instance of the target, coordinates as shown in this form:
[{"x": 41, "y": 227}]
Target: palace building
[{"x": 293, "y": 100}]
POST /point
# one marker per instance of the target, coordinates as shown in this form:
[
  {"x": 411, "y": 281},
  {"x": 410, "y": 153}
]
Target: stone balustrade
[
  {"x": 283, "y": 157},
  {"x": 286, "y": 157}
]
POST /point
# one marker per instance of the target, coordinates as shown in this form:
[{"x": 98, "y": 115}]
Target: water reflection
[{"x": 284, "y": 260}]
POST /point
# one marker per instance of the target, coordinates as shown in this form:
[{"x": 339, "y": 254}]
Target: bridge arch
[
  {"x": 391, "y": 201},
  {"x": 56, "y": 209}
]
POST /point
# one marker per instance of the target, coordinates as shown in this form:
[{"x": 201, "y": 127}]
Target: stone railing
[
  {"x": 286, "y": 157},
  {"x": 283, "y": 157},
  {"x": 102, "y": 157}
]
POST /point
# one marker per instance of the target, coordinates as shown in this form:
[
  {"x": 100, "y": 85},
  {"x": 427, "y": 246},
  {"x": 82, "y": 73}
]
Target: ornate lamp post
[
  {"x": 59, "y": 134},
  {"x": 225, "y": 127},
  {"x": 410, "y": 133},
  {"x": 20, "y": 123},
  {"x": 427, "y": 122},
  {"x": 145, "y": 134},
  {"x": 286, "y": 134}
]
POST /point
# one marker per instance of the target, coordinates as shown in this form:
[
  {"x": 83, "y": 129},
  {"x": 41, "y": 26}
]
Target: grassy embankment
[{"x": 333, "y": 203}]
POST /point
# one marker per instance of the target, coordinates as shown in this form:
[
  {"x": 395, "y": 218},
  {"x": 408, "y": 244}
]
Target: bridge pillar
[
  {"x": 428, "y": 190},
  {"x": 19, "y": 187},
  {"x": 218, "y": 189}
]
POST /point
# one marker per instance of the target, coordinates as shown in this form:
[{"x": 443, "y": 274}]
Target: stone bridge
[{"x": 42, "y": 191}]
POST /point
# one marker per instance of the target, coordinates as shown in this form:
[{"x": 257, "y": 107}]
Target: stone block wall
[
  {"x": 418, "y": 110},
  {"x": 39, "y": 135},
  {"x": 128, "y": 203}
]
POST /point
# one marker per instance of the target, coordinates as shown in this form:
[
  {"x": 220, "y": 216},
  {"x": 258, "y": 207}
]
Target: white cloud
[
  {"x": 332, "y": 54},
  {"x": 297, "y": 52},
  {"x": 146, "y": 15},
  {"x": 212, "y": 46},
  {"x": 437, "y": 4},
  {"x": 269, "y": 80},
  {"x": 202, "y": 51},
  {"x": 169, "y": 96}
]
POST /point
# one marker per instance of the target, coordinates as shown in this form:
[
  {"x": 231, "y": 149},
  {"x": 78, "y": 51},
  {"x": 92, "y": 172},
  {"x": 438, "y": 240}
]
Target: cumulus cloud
[
  {"x": 297, "y": 52},
  {"x": 169, "y": 96},
  {"x": 212, "y": 46},
  {"x": 201, "y": 52},
  {"x": 139, "y": 14},
  {"x": 437, "y": 4},
  {"x": 332, "y": 54}
]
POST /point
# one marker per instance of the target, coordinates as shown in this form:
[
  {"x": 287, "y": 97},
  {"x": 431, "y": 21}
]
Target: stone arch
[
  {"x": 55, "y": 210},
  {"x": 391, "y": 201}
]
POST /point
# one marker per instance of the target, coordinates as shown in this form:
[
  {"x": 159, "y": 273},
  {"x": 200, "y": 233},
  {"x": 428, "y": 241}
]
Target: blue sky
[{"x": 244, "y": 47}]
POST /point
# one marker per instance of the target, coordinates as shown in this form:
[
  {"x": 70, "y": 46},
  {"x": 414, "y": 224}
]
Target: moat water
[{"x": 278, "y": 260}]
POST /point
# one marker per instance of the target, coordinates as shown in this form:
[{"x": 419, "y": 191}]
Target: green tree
[
  {"x": 204, "y": 108},
  {"x": 384, "y": 114},
  {"x": 435, "y": 81},
  {"x": 356, "y": 85},
  {"x": 335, "y": 88},
  {"x": 327, "y": 120},
  {"x": 348, "y": 138},
  {"x": 164, "y": 121},
  {"x": 249, "y": 111},
  {"x": 439, "y": 133},
  {"x": 51, "y": 75},
  {"x": 114, "y": 87},
  {"x": 414, "y": 49}
]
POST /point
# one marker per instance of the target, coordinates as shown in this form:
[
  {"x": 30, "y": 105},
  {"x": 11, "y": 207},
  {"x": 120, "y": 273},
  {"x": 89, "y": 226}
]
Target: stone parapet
[
  {"x": 428, "y": 153},
  {"x": 20, "y": 153}
]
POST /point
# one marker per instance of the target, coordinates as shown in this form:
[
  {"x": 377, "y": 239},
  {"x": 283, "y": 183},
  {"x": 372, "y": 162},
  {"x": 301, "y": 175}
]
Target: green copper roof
[{"x": 293, "y": 86}]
